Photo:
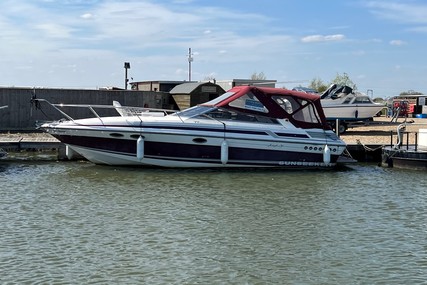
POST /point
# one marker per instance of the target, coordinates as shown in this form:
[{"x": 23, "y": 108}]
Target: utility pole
[
  {"x": 190, "y": 60},
  {"x": 127, "y": 66}
]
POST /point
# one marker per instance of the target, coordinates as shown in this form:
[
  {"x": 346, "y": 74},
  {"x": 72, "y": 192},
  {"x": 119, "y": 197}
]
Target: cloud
[
  {"x": 183, "y": 1},
  {"x": 399, "y": 11},
  {"x": 52, "y": 30},
  {"x": 420, "y": 29},
  {"x": 397, "y": 43},
  {"x": 87, "y": 16},
  {"x": 323, "y": 38},
  {"x": 96, "y": 37}
]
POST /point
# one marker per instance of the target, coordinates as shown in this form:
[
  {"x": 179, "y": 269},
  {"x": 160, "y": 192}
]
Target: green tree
[
  {"x": 344, "y": 79},
  {"x": 318, "y": 85},
  {"x": 258, "y": 76},
  {"x": 209, "y": 78}
]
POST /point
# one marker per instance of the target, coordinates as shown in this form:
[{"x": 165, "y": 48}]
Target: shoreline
[{"x": 381, "y": 134}]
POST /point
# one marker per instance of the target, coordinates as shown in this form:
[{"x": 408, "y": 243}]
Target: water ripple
[{"x": 76, "y": 223}]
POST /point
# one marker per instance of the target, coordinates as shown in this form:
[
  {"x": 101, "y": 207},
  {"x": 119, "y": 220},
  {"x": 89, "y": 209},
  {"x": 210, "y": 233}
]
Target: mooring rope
[{"x": 367, "y": 148}]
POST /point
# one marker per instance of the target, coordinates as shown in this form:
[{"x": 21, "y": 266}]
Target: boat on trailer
[
  {"x": 248, "y": 126},
  {"x": 342, "y": 102}
]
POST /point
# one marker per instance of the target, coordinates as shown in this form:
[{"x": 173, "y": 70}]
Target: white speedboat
[
  {"x": 246, "y": 127},
  {"x": 341, "y": 102}
]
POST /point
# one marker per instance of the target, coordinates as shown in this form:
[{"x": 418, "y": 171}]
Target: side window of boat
[
  {"x": 362, "y": 100},
  {"x": 304, "y": 111},
  {"x": 307, "y": 114},
  {"x": 266, "y": 120},
  {"x": 249, "y": 102},
  {"x": 254, "y": 118},
  {"x": 347, "y": 100},
  {"x": 223, "y": 114},
  {"x": 285, "y": 103}
]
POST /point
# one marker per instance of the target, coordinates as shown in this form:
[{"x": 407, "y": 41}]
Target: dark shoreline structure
[
  {"x": 405, "y": 155},
  {"x": 22, "y": 113}
]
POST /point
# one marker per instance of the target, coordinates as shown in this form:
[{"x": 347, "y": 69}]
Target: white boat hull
[
  {"x": 201, "y": 148},
  {"x": 351, "y": 112}
]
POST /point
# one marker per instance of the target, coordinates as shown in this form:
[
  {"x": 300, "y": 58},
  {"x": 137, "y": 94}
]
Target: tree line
[{"x": 320, "y": 86}]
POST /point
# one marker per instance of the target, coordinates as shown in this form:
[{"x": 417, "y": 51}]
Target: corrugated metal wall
[{"x": 22, "y": 116}]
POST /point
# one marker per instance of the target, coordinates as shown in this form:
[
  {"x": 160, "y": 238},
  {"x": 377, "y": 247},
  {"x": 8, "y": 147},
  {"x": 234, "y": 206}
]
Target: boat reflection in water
[{"x": 246, "y": 127}]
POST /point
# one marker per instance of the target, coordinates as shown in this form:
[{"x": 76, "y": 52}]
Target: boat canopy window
[
  {"x": 224, "y": 114},
  {"x": 300, "y": 110},
  {"x": 249, "y": 102}
]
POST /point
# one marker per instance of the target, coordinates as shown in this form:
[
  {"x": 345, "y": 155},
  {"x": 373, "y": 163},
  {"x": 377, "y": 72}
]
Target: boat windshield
[
  {"x": 220, "y": 98},
  {"x": 194, "y": 111}
]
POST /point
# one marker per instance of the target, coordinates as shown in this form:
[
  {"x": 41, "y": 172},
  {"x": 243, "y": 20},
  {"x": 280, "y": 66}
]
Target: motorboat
[
  {"x": 247, "y": 126},
  {"x": 343, "y": 103}
]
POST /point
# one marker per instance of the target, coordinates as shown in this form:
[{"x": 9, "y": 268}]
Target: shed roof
[{"x": 186, "y": 88}]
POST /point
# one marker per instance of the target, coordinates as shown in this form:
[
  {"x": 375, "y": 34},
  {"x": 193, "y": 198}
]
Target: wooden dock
[
  {"x": 28, "y": 141},
  {"x": 37, "y": 146}
]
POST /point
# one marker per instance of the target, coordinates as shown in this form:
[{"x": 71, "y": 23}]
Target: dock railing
[{"x": 403, "y": 138}]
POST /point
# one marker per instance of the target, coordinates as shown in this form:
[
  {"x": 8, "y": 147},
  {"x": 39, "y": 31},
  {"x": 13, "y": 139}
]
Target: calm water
[{"x": 78, "y": 223}]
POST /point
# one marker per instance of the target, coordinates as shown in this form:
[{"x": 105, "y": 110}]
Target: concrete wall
[{"x": 21, "y": 115}]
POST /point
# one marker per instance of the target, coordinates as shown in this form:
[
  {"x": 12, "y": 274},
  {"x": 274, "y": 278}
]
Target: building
[
  {"x": 156, "y": 86},
  {"x": 193, "y": 93},
  {"x": 228, "y": 84}
]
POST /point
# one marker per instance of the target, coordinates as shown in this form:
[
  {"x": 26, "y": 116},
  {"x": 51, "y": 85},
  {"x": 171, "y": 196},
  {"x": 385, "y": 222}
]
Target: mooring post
[{"x": 337, "y": 127}]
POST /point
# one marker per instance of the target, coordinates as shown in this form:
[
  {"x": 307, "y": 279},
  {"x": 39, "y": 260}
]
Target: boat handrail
[{"x": 122, "y": 110}]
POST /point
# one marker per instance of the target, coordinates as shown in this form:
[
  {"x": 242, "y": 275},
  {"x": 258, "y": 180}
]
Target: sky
[{"x": 380, "y": 44}]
